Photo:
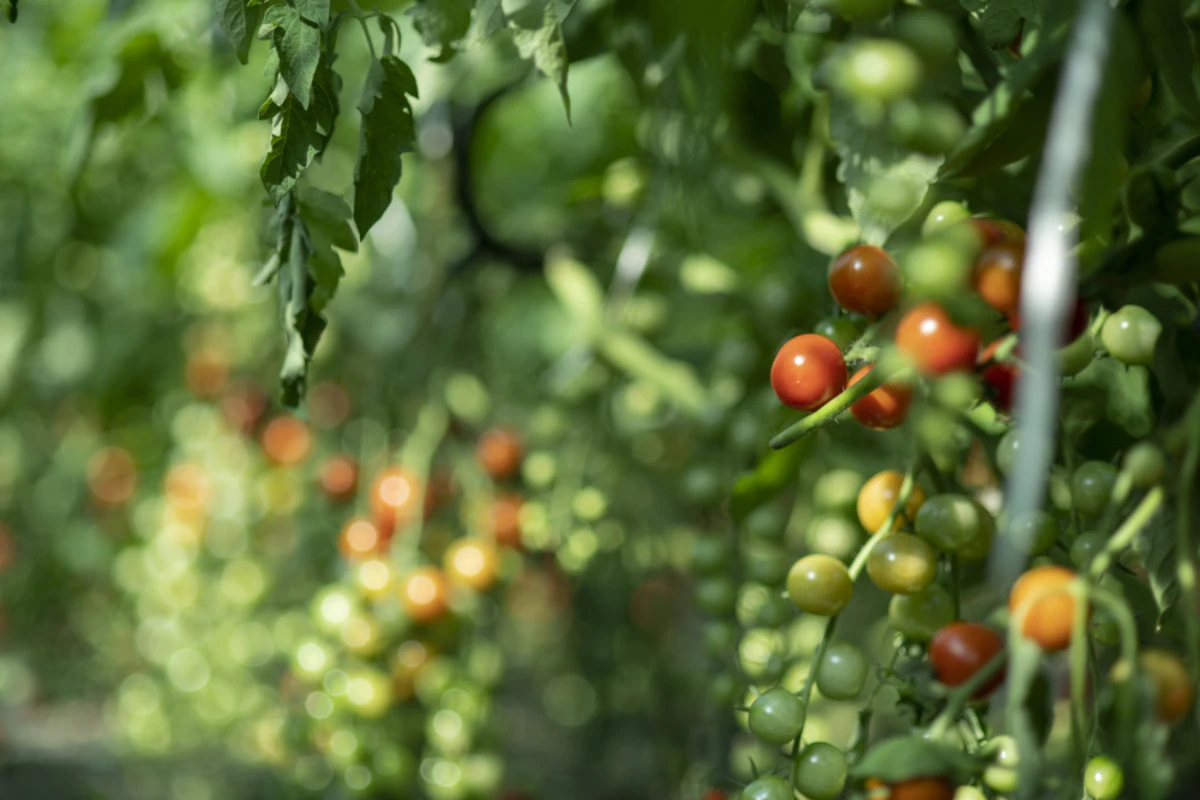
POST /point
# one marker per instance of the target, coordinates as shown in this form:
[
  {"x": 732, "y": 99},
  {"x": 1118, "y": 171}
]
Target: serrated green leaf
[
  {"x": 902, "y": 758},
  {"x": 387, "y": 133},
  {"x": 302, "y": 325},
  {"x": 240, "y": 22},
  {"x": 1155, "y": 548},
  {"x": 775, "y": 472},
  {"x": 1170, "y": 45},
  {"x": 442, "y": 23},
  {"x": 547, "y": 48},
  {"x": 1000, "y": 20},
  {"x": 299, "y": 135},
  {"x": 315, "y": 11},
  {"x": 885, "y": 184},
  {"x": 1123, "y": 391},
  {"x": 298, "y": 44},
  {"x": 327, "y": 220}
]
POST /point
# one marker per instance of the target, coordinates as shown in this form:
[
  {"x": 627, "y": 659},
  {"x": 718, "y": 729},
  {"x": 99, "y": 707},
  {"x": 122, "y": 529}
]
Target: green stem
[
  {"x": 812, "y": 168},
  {"x": 834, "y": 408},
  {"x": 1123, "y": 671},
  {"x": 978, "y": 53},
  {"x": 1079, "y": 665},
  {"x": 963, "y": 693},
  {"x": 362, "y": 21},
  {"x": 1130, "y": 528}
]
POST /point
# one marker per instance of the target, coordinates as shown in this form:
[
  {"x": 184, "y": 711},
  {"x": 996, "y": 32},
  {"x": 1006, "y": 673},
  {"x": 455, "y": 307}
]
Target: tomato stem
[
  {"x": 1079, "y": 664},
  {"x": 963, "y": 693},
  {"x": 834, "y": 408},
  {"x": 1130, "y": 528}
]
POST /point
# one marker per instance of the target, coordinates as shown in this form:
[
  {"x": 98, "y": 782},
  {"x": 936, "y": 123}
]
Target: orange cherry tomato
[
  {"x": 360, "y": 538},
  {"x": 395, "y": 498},
  {"x": 961, "y": 649},
  {"x": 808, "y": 372},
  {"x": 879, "y": 495},
  {"x": 995, "y": 231},
  {"x": 928, "y": 336},
  {"x": 425, "y": 595},
  {"x": 929, "y": 788},
  {"x": 997, "y": 275},
  {"x": 865, "y": 280},
  {"x": 885, "y": 407},
  {"x": 286, "y": 441},
  {"x": 500, "y": 452},
  {"x": 504, "y": 519},
  {"x": 1049, "y": 609}
]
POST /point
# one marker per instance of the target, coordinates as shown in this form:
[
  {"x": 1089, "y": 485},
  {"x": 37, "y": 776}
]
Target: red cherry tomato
[
  {"x": 865, "y": 280},
  {"x": 961, "y": 649},
  {"x": 928, "y": 336},
  {"x": 885, "y": 407},
  {"x": 997, "y": 275},
  {"x": 1001, "y": 378},
  {"x": 808, "y": 372},
  {"x": 994, "y": 231}
]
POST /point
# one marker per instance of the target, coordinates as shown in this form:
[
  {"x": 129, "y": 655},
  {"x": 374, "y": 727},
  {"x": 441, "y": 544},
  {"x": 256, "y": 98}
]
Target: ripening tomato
[
  {"x": 1042, "y": 595},
  {"x": 961, "y": 649},
  {"x": 286, "y": 441},
  {"x": 499, "y": 452},
  {"x": 395, "y": 498},
  {"x": 820, "y": 584},
  {"x": 808, "y": 372},
  {"x": 360, "y": 538},
  {"x": 424, "y": 595},
  {"x": 999, "y": 377},
  {"x": 339, "y": 478},
  {"x": 928, "y": 336},
  {"x": 995, "y": 231},
  {"x": 1174, "y": 692},
  {"x": 997, "y": 275},
  {"x": 927, "y": 788},
  {"x": 878, "y": 496},
  {"x": 504, "y": 519},
  {"x": 865, "y": 280},
  {"x": 471, "y": 562},
  {"x": 885, "y": 407}
]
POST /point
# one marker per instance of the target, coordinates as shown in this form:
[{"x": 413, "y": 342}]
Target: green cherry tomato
[
  {"x": 902, "y": 563},
  {"x": 720, "y": 637},
  {"x": 842, "y": 331},
  {"x": 716, "y": 596},
  {"x": 1086, "y": 547},
  {"x": 953, "y": 522},
  {"x": 1103, "y": 778},
  {"x": 777, "y": 716},
  {"x": 1006, "y": 450},
  {"x": 1001, "y": 779},
  {"x": 1005, "y": 753},
  {"x": 724, "y": 689},
  {"x": 1038, "y": 529},
  {"x": 765, "y": 562},
  {"x": 820, "y": 584},
  {"x": 765, "y": 522},
  {"x": 919, "y": 616},
  {"x": 1130, "y": 335},
  {"x": 842, "y": 671},
  {"x": 820, "y": 771},
  {"x": 1145, "y": 464},
  {"x": 775, "y": 611},
  {"x": 1091, "y": 487},
  {"x": 837, "y": 489},
  {"x": 879, "y": 70},
  {"x": 768, "y": 787},
  {"x": 932, "y": 36},
  {"x": 1075, "y": 357},
  {"x": 969, "y": 792},
  {"x": 937, "y": 267},
  {"x": 711, "y": 553},
  {"x": 832, "y": 535},
  {"x": 944, "y": 216}
]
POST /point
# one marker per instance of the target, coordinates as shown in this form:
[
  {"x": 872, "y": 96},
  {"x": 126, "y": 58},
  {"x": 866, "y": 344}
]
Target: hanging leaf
[
  {"x": 12, "y": 11},
  {"x": 1171, "y": 48},
  {"x": 547, "y": 48},
  {"x": 302, "y": 325},
  {"x": 239, "y": 21},
  {"x": 315, "y": 11},
  {"x": 298, "y": 43},
  {"x": 1155, "y": 549},
  {"x": 1000, "y": 20},
  {"x": 442, "y": 24},
  {"x": 903, "y": 758},
  {"x": 327, "y": 220},
  {"x": 387, "y": 133},
  {"x": 487, "y": 18},
  {"x": 885, "y": 184},
  {"x": 298, "y": 134}
]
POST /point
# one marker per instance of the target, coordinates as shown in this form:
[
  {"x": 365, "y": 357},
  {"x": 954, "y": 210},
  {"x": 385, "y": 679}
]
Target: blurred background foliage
[{"x": 612, "y": 288}]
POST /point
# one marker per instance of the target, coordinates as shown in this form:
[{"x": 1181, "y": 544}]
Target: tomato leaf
[
  {"x": 1171, "y": 47},
  {"x": 327, "y": 220},
  {"x": 885, "y": 184},
  {"x": 298, "y": 43},
  {"x": 302, "y": 325},
  {"x": 1155, "y": 549},
  {"x": 442, "y": 24},
  {"x": 905, "y": 757},
  {"x": 239, "y": 21},
  {"x": 1123, "y": 392},
  {"x": 775, "y": 472},
  {"x": 547, "y": 48},
  {"x": 315, "y": 11},
  {"x": 387, "y": 133},
  {"x": 298, "y": 134},
  {"x": 1000, "y": 20}
]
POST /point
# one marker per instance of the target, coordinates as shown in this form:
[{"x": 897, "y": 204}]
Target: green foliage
[
  {"x": 1002, "y": 20},
  {"x": 387, "y": 133}
]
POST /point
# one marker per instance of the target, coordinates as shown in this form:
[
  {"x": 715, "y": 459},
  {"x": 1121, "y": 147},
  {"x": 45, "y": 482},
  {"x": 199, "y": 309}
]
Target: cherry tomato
[
  {"x": 1131, "y": 334},
  {"x": 768, "y": 787},
  {"x": 865, "y": 280},
  {"x": 842, "y": 331},
  {"x": 504, "y": 519},
  {"x": 1000, "y": 377},
  {"x": 902, "y": 563},
  {"x": 819, "y": 584},
  {"x": 471, "y": 562},
  {"x": 969, "y": 792},
  {"x": 925, "y": 788},
  {"x": 1092, "y": 486},
  {"x": 877, "y": 69},
  {"x": 928, "y": 336},
  {"x": 1086, "y": 547},
  {"x": 1103, "y": 778},
  {"x": 832, "y": 535},
  {"x": 953, "y": 522},
  {"x": 499, "y": 451},
  {"x": 767, "y": 522},
  {"x": 1041, "y": 594},
  {"x": 961, "y": 649},
  {"x": 995, "y": 231},
  {"x": 1037, "y": 528},
  {"x": 1174, "y": 691},
  {"x": 776, "y": 716},
  {"x": 842, "y": 671},
  {"x": 395, "y": 498},
  {"x": 339, "y": 478},
  {"x": 837, "y": 490},
  {"x": 1080, "y": 318},
  {"x": 885, "y": 407},
  {"x": 1145, "y": 464},
  {"x": 820, "y": 771},
  {"x": 808, "y": 372},
  {"x": 946, "y": 214},
  {"x": 424, "y": 595},
  {"x": 921, "y": 615},
  {"x": 765, "y": 562},
  {"x": 360, "y": 539},
  {"x": 878, "y": 497},
  {"x": 1006, "y": 450},
  {"x": 997, "y": 275},
  {"x": 286, "y": 441}
]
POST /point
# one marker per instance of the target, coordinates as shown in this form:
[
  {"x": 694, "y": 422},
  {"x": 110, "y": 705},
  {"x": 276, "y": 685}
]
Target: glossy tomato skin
[
  {"x": 878, "y": 496},
  {"x": 921, "y": 615},
  {"x": 776, "y": 716},
  {"x": 820, "y": 584},
  {"x": 1000, "y": 378},
  {"x": 961, "y": 649},
  {"x": 901, "y": 563},
  {"x": 808, "y": 372},
  {"x": 924, "y": 788},
  {"x": 865, "y": 280},
  {"x": 885, "y": 407},
  {"x": 842, "y": 671},
  {"x": 997, "y": 275},
  {"x": 928, "y": 336},
  {"x": 1051, "y": 608},
  {"x": 995, "y": 231}
]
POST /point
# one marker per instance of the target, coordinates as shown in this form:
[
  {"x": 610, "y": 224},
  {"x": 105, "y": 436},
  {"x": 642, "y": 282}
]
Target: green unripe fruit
[
  {"x": 842, "y": 671},
  {"x": 1130, "y": 335},
  {"x": 1103, "y": 778},
  {"x": 919, "y": 616},
  {"x": 832, "y": 535},
  {"x": 1038, "y": 529},
  {"x": 1145, "y": 464},
  {"x": 777, "y": 716},
  {"x": 765, "y": 522},
  {"x": 879, "y": 70},
  {"x": 944, "y": 216},
  {"x": 820, "y": 771},
  {"x": 837, "y": 489},
  {"x": 820, "y": 584},
  {"x": 842, "y": 331},
  {"x": 1086, "y": 547},
  {"x": 1092, "y": 486},
  {"x": 1075, "y": 357},
  {"x": 768, "y": 787}
]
